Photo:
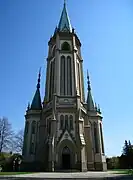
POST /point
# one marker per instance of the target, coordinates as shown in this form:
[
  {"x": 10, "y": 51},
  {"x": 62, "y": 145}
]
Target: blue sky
[{"x": 105, "y": 29}]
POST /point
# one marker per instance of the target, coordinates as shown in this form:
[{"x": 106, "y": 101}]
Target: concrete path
[{"x": 78, "y": 175}]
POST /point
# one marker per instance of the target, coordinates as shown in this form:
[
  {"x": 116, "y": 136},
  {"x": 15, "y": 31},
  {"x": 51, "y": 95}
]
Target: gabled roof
[
  {"x": 64, "y": 23},
  {"x": 67, "y": 133}
]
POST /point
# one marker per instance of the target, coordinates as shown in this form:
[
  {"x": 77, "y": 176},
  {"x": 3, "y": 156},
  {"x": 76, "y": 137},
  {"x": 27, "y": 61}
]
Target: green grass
[
  {"x": 14, "y": 173},
  {"x": 123, "y": 171}
]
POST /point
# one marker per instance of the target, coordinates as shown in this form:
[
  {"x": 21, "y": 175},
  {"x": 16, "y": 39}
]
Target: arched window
[
  {"x": 65, "y": 46},
  {"x": 52, "y": 75},
  {"x": 66, "y": 121},
  {"x": 61, "y": 122},
  {"x": 101, "y": 138},
  {"x": 27, "y": 127},
  {"x": 71, "y": 122},
  {"x": 33, "y": 128},
  {"x": 33, "y": 131},
  {"x": 62, "y": 75},
  {"x": 69, "y": 76},
  {"x": 96, "y": 138},
  {"x": 78, "y": 77}
]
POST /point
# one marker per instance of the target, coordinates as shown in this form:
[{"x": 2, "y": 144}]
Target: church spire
[
  {"x": 39, "y": 75},
  {"x": 90, "y": 103},
  {"x": 88, "y": 81},
  {"x": 64, "y": 23},
  {"x": 36, "y": 102}
]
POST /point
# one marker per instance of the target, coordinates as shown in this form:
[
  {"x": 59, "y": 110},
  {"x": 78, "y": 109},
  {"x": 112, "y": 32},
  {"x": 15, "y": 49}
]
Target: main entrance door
[{"x": 66, "y": 158}]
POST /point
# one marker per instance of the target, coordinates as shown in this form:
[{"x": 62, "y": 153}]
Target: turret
[
  {"x": 36, "y": 102},
  {"x": 32, "y": 119},
  {"x": 90, "y": 103}
]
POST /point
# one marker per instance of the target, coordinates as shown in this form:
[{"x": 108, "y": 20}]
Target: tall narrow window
[
  {"x": 33, "y": 131},
  {"x": 96, "y": 138},
  {"x": 69, "y": 76},
  {"x": 62, "y": 75},
  {"x": 71, "y": 122},
  {"x": 32, "y": 148},
  {"x": 61, "y": 122},
  {"x": 78, "y": 78},
  {"x": 66, "y": 121},
  {"x": 33, "y": 127},
  {"x": 27, "y": 127},
  {"x": 51, "y": 87},
  {"x": 50, "y": 83},
  {"x": 53, "y": 76},
  {"x": 101, "y": 138}
]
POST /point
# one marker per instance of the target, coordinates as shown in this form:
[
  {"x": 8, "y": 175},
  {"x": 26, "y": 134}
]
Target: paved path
[{"x": 78, "y": 175}]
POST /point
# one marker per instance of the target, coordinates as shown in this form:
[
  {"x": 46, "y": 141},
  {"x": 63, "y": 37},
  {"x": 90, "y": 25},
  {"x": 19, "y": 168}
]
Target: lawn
[{"x": 122, "y": 171}]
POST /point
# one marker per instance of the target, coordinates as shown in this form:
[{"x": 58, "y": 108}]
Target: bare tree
[
  {"x": 18, "y": 141},
  {"x": 6, "y": 134}
]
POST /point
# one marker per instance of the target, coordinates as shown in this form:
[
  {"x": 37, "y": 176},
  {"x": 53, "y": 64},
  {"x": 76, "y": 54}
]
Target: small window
[{"x": 65, "y": 46}]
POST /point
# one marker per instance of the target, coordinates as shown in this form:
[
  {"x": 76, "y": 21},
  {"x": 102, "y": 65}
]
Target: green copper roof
[
  {"x": 36, "y": 102},
  {"x": 64, "y": 24},
  {"x": 90, "y": 103}
]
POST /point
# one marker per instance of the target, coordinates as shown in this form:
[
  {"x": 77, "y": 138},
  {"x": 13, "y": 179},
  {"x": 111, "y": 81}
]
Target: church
[{"x": 64, "y": 130}]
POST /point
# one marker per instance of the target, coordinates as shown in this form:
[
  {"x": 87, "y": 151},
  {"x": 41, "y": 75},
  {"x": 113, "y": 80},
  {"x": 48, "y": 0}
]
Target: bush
[
  {"x": 130, "y": 171},
  {"x": 11, "y": 163},
  {"x": 113, "y": 163}
]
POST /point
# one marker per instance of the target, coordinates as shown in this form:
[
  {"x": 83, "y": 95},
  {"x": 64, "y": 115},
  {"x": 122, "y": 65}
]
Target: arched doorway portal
[{"x": 66, "y": 158}]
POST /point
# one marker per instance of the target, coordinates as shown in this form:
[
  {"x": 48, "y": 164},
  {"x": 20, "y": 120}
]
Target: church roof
[
  {"x": 36, "y": 102},
  {"x": 64, "y": 23},
  {"x": 90, "y": 103}
]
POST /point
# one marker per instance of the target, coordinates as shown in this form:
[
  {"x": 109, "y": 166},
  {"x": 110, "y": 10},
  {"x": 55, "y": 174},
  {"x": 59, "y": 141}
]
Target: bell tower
[
  {"x": 64, "y": 62},
  {"x": 69, "y": 127}
]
